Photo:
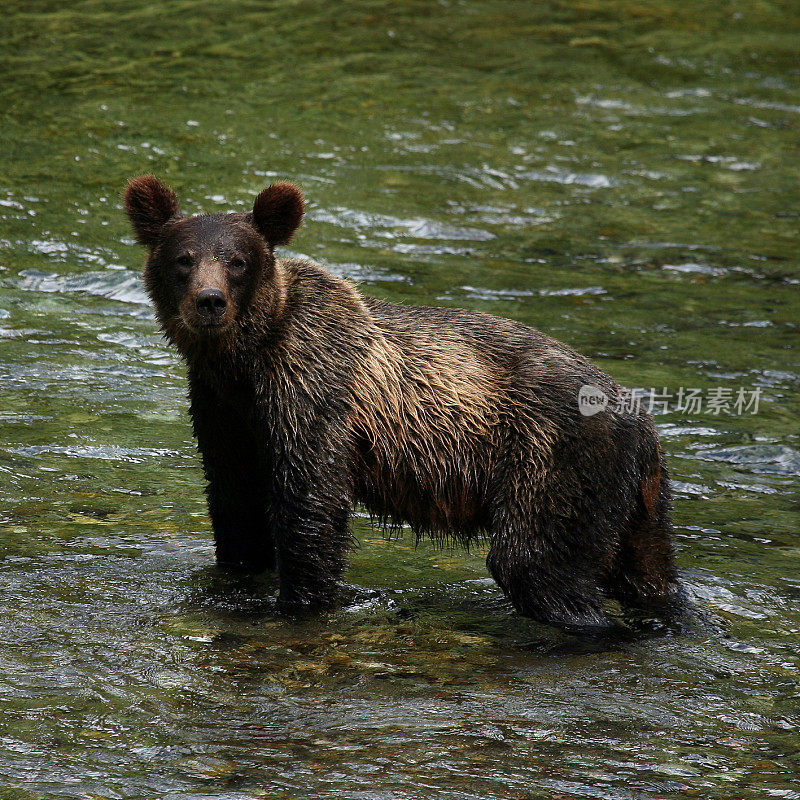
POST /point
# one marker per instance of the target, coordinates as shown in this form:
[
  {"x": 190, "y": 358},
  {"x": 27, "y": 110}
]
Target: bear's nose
[{"x": 211, "y": 303}]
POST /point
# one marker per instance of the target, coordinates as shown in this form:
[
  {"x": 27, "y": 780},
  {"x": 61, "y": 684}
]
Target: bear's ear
[
  {"x": 277, "y": 212},
  {"x": 149, "y": 205}
]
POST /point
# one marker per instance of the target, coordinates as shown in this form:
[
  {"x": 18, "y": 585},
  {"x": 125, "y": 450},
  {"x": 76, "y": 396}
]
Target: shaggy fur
[{"x": 307, "y": 397}]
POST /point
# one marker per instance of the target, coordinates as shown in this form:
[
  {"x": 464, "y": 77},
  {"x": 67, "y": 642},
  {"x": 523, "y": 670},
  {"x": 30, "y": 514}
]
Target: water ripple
[
  {"x": 122, "y": 285},
  {"x": 779, "y": 459},
  {"x": 383, "y": 225},
  {"x": 134, "y": 455}
]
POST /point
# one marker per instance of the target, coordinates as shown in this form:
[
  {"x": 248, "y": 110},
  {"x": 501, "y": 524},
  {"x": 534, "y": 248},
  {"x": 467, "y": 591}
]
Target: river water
[{"x": 622, "y": 175}]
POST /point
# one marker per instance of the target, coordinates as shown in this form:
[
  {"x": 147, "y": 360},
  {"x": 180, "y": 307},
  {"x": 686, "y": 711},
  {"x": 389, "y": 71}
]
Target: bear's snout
[{"x": 211, "y": 304}]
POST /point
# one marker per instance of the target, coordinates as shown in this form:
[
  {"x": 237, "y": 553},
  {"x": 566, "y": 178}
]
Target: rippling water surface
[{"x": 622, "y": 175}]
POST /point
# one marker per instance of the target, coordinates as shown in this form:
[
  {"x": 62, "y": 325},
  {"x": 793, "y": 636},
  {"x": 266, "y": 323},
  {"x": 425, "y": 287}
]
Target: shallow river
[{"x": 622, "y": 175}]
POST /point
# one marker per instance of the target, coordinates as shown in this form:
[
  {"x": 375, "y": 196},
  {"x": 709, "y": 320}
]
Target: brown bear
[{"x": 307, "y": 397}]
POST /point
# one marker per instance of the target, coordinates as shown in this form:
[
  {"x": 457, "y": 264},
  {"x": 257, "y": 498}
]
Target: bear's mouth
[{"x": 208, "y": 328}]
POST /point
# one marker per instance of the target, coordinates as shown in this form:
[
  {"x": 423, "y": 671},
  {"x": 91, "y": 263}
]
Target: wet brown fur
[{"x": 308, "y": 397}]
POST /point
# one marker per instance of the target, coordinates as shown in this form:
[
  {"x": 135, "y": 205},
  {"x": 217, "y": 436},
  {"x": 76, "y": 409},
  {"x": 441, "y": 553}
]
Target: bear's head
[{"x": 203, "y": 272}]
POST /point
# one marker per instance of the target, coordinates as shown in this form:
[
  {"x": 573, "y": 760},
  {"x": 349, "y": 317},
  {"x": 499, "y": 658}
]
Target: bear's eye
[
  {"x": 237, "y": 264},
  {"x": 183, "y": 264}
]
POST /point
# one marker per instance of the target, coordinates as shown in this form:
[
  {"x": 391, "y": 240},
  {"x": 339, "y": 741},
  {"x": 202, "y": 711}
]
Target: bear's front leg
[
  {"x": 309, "y": 511},
  {"x": 237, "y": 486},
  {"x": 312, "y": 555}
]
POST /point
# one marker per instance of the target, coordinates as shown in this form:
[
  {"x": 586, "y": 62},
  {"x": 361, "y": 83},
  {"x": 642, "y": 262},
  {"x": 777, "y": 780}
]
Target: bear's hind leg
[
  {"x": 643, "y": 572},
  {"x": 546, "y": 576}
]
